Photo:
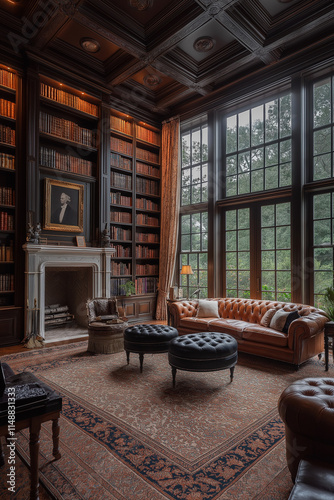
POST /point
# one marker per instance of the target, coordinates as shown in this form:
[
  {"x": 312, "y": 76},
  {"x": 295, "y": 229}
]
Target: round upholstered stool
[
  {"x": 203, "y": 352},
  {"x": 147, "y": 339},
  {"x": 307, "y": 410},
  {"x": 104, "y": 338}
]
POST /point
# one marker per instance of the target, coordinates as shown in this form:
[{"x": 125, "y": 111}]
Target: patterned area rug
[{"x": 129, "y": 436}]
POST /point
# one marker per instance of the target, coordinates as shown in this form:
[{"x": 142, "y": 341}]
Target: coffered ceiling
[{"x": 158, "y": 55}]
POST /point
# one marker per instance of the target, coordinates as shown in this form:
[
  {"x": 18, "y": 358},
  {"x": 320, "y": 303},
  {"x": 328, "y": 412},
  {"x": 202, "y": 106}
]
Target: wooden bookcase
[
  {"x": 10, "y": 312},
  {"x": 135, "y": 211}
]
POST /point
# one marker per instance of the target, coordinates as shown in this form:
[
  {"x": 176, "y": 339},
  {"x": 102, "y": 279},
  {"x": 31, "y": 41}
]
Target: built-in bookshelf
[
  {"x": 68, "y": 130},
  {"x": 8, "y": 186},
  {"x": 134, "y": 204}
]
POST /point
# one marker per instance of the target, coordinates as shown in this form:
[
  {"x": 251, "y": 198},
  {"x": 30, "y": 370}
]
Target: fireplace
[{"x": 64, "y": 275}]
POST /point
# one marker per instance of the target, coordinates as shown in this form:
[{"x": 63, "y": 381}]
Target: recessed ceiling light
[
  {"x": 90, "y": 45},
  {"x": 140, "y": 4},
  {"x": 204, "y": 44}
]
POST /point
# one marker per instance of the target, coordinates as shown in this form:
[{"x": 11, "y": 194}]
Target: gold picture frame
[{"x": 63, "y": 206}]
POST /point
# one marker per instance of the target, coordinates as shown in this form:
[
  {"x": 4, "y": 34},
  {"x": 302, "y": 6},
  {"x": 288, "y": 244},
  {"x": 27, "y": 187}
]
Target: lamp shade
[{"x": 186, "y": 270}]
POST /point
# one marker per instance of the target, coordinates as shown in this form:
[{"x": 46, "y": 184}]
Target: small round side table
[{"x": 328, "y": 332}]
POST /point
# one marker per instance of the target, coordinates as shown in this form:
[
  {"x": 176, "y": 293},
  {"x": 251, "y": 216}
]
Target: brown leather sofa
[{"x": 241, "y": 318}]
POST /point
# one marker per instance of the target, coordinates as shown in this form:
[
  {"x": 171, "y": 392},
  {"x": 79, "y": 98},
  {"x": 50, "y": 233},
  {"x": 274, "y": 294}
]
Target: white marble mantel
[{"x": 39, "y": 257}]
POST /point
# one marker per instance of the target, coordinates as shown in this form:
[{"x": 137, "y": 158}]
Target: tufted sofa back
[{"x": 249, "y": 310}]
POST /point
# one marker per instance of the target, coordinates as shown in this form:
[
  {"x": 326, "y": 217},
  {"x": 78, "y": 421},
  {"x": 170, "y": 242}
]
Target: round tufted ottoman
[
  {"x": 307, "y": 410},
  {"x": 203, "y": 352},
  {"x": 147, "y": 339},
  {"x": 104, "y": 338}
]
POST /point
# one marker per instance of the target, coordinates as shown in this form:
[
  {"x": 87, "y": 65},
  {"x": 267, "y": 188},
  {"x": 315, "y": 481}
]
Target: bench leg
[
  {"x": 141, "y": 360},
  {"x": 35, "y": 428},
  {"x": 127, "y": 357},
  {"x": 231, "y": 373},
  {"x": 173, "y": 374}
]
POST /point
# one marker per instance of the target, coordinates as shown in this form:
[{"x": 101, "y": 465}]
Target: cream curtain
[{"x": 170, "y": 202}]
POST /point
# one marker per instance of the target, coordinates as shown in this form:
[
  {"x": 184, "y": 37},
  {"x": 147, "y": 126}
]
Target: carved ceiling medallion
[
  {"x": 204, "y": 44},
  {"x": 152, "y": 80},
  {"x": 90, "y": 45},
  {"x": 140, "y": 4}
]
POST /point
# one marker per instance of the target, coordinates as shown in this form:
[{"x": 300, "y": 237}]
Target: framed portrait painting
[{"x": 63, "y": 206}]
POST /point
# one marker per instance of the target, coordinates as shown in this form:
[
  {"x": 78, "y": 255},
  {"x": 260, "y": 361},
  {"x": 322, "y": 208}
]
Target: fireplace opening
[{"x": 66, "y": 292}]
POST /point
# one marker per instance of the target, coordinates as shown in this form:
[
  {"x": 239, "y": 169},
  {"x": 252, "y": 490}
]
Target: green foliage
[
  {"x": 329, "y": 302},
  {"x": 129, "y": 288}
]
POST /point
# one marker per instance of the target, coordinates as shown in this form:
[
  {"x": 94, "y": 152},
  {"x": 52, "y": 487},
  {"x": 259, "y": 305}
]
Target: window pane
[
  {"x": 271, "y": 114},
  {"x": 231, "y": 134},
  {"x": 257, "y": 125},
  {"x": 243, "y": 130},
  {"x": 322, "y": 103}
]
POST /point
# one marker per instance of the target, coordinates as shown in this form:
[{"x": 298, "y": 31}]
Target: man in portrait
[{"x": 65, "y": 214}]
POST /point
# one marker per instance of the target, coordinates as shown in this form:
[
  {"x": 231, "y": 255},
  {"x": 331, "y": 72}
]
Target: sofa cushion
[
  {"x": 291, "y": 317},
  {"x": 267, "y": 317},
  {"x": 278, "y": 320},
  {"x": 207, "y": 309},
  {"x": 196, "y": 324},
  {"x": 232, "y": 327},
  {"x": 258, "y": 333}
]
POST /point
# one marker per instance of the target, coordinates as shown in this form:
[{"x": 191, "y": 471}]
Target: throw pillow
[
  {"x": 266, "y": 318},
  {"x": 207, "y": 309},
  {"x": 291, "y": 317},
  {"x": 278, "y": 320}
]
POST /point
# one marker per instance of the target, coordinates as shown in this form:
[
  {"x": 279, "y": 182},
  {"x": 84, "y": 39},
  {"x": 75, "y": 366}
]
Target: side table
[{"x": 328, "y": 332}]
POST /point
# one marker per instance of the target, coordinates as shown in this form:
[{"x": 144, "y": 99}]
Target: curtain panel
[{"x": 170, "y": 208}]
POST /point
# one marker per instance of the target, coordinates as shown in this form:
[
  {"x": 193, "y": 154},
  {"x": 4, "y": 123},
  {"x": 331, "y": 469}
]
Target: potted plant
[
  {"x": 129, "y": 289},
  {"x": 329, "y": 302}
]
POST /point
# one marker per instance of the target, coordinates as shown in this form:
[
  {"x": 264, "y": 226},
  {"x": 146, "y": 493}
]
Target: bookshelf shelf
[
  {"x": 68, "y": 174},
  {"x": 62, "y": 140},
  {"x": 135, "y": 175},
  {"x": 8, "y": 188},
  {"x": 73, "y": 111}
]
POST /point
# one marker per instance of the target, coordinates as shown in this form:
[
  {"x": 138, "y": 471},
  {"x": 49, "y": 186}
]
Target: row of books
[
  {"x": 121, "y": 125},
  {"x": 147, "y": 237},
  {"x": 144, "y": 252},
  {"x": 66, "y": 129},
  {"x": 118, "y": 233},
  {"x": 6, "y": 222},
  {"x": 7, "y": 161},
  {"x": 7, "y": 79},
  {"x": 118, "y": 198},
  {"x": 7, "y": 196},
  {"x": 7, "y": 108},
  {"x": 61, "y": 161},
  {"x": 125, "y": 217},
  {"x": 144, "y": 154},
  {"x": 147, "y": 220},
  {"x": 146, "y": 186},
  {"x": 116, "y": 286},
  {"x": 119, "y": 161},
  {"x": 145, "y": 204},
  {"x": 7, "y": 252},
  {"x": 120, "y": 180},
  {"x": 120, "y": 146},
  {"x": 68, "y": 99},
  {"x": 7, "y": 135},
  {"x": 122, "y": 251},
  {"x": 145, "y": 285},
  {"x": 148, "y": 135},
  {"x": 6, "y": 282},
  {"x": 147, "y": 269},
  {"x": 120, "y": 268},
  {"x": 143, "y": 168}
]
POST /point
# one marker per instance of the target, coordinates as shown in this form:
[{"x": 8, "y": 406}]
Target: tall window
[
  {"x": 276, "y": 252},
  {"x": 238, "y": 253},
  {"x": 258, "y": 148},
  {"x": 194, "y": 252},
  {"x": 323, "y": 244},
  {"x": 323, "y": 126},
  {"x": 194, "y": 182}
]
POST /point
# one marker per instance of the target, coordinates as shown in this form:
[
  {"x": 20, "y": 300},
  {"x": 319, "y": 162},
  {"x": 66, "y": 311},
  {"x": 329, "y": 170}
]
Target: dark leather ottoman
[
  {"x": 307, "y": 409},
  {"x": 147, "y": 339},
  {"x": 314, "y": 481},
  {"x": 203, "y": 352}
]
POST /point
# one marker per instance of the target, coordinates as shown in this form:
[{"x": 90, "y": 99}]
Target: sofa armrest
[
  {"x": 306, "y": 326},
  {"x": 182, "y": 309}
]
